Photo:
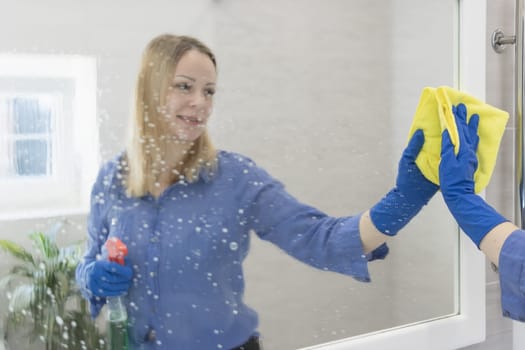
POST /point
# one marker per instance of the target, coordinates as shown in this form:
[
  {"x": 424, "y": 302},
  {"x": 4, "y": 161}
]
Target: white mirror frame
[{"x": 468, "y": 325}]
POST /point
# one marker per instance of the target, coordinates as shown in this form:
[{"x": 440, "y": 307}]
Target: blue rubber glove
[
  {"x": 106, "y": 279},
  {"x": 456, "y": 176},
  {"x": 411, "y": 193}
]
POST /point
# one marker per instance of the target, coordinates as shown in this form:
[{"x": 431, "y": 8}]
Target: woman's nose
[{"x": 197, "y": 99}]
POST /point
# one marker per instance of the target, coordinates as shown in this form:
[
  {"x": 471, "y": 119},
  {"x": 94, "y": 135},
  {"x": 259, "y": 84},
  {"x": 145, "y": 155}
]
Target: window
[
  {"x": 27, "y": 127},
  {"x": 48, "y": 137}
]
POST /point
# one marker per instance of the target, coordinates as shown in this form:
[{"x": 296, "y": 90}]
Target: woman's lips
[{"x": 190, "y": 120}]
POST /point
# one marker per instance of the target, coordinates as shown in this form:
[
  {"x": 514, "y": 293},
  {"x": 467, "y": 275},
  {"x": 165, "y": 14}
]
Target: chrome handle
[{"x": 500, "y": 41}]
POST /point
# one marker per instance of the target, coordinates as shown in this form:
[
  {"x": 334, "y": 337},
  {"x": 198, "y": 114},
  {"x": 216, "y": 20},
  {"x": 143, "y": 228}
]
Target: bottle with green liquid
[{"x": 117, "y": 317}]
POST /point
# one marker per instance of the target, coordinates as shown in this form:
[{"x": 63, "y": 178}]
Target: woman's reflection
[{"x": 185, "y": 211}]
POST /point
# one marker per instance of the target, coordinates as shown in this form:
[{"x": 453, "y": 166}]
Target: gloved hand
[
  {"x": 106, "y": 279},
  {"x": 456, "y": 177},
  {"x": 411, "y": 193}
]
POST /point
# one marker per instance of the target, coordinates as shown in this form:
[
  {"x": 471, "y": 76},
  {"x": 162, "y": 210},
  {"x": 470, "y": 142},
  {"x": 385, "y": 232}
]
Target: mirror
[{"x": 321, "y": 94}]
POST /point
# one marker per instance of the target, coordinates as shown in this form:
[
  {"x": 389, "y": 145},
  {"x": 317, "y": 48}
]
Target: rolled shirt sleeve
[{"x": 512, "y": 276}]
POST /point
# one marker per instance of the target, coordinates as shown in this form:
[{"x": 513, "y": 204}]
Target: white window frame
[
  {"x": 76, "y": 152},
  {"x": 467, "y": 326}
]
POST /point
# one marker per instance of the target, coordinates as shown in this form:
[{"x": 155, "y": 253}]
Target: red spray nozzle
[{"x": 117, "y": 250}]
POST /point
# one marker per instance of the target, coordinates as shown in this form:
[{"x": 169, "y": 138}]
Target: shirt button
[
  {"x": 151, "y": 336},
  {"x": 152, "y": 274}
]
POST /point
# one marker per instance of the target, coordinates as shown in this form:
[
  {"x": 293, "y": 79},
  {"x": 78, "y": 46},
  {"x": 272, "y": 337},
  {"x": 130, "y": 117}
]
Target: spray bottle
[{"x": 117, "y": 317}]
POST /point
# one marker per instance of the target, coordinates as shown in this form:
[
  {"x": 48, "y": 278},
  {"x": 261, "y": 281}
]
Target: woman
[
  {"x": 501, "y": 241},
  {"x": 185, "y": 212}
]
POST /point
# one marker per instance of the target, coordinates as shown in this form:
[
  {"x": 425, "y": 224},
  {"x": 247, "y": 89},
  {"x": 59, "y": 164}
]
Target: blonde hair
[{"x": 146, "y": 146}]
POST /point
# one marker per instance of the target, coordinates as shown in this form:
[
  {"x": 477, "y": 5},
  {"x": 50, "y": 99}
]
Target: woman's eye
[
  {"x": 183, "y": 86},
  {"x": 209, "y": 92}
]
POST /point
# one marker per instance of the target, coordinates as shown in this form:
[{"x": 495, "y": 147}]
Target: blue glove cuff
[
  {"x": 393, "y": 212},
  {"x": 95, "y": 305},
  {"x": 379, "y": 253},
  {"x": 475, "y": 217}
]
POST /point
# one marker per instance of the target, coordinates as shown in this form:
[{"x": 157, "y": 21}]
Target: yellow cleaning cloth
[{"x": 434, "y": 114}]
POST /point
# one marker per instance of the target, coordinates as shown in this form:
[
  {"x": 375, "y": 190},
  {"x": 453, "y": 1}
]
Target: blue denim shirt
[
  {"x": 512, "y": 276},
  {"x": 187, "y": 247}
]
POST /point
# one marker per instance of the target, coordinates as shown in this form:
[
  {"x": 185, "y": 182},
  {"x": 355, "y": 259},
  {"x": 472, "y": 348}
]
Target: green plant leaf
[
  {"x": 24, "y": 270},
  {"x": 16, "y": 250},
  {"x": 45, "y": 244},
  {"x": 21, "y": 298},
  {"x": 7, "y": 280}
]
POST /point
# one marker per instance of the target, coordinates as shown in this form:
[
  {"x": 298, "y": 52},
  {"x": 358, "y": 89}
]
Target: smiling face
[{"x": 189, "y": 99}]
